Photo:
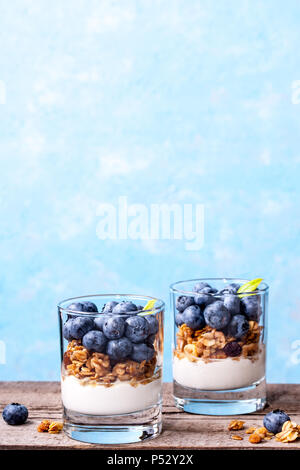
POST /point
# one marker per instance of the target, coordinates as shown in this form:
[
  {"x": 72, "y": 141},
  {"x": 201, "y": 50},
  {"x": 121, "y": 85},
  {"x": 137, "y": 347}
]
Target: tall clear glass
[
  {"x": 219, "y": 350},
  {"x": 111, "y": 367}
]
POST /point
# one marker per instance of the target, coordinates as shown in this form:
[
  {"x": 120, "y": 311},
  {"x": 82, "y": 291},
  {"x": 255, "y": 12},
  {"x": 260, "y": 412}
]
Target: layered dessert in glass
[
  {"x": 219, "y": 351},
  {"x": 111, "y": 367}
]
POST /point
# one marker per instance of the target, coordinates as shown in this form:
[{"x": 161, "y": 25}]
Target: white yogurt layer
[
  {"x": 221, "y": 374},
  {"x": 100, "y": 400}
]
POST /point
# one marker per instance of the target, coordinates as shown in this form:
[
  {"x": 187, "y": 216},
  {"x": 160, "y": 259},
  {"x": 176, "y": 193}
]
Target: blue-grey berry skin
[
  {"x": 89, "y": 307},
  {"x": 153, "y": 324},
  {"x": 274, "y": 420},
  {"x": 230, "y": 288},
  {"x": 193, "y": 317},
  {"x": 114, "y": 327},
  {"x": 99, "y": 321},
  {"x": 204, "y": 297},
  {"x": 200, "y": 285},
  {"x": 66, "y": 330},
  {"x": 139, "y": 308},
  {"x": 179, "y": 319},
  {"x": 119, "y": 349},
  {"x": 109, "y": 306},
  {"x": 216, "y": 315},
  {"x": 15, "y": 414},
  {"x": 232, "y": 303},
  {"x": 95, "y": 341},
  {"x": 183, "y": 302},
  {"x": 80, "y": 326},
  {"x": 238, "y": 326},
  {"x": 76, "y": 307},
  {"x": 150, "y": 340},
  {"x": 250, "y": 307},
  {"x": 142, "y": 352},
  {"x": 124, "y": 307},
  {"x": 137, "y": 329}
]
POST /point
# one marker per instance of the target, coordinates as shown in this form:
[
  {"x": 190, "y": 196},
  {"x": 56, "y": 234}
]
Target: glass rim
[
  {"x": 173, "y": 288},
  {"x": 153, "y": 310}
]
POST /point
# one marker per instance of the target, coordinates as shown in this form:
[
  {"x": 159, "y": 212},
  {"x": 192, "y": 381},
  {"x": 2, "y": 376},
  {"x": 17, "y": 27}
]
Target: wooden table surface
[{"x": 180, "y": 430}]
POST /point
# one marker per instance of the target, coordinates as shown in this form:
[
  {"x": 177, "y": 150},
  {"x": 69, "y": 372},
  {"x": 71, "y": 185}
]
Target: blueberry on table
[
  {"x": 80, "y": 326},
  {"x": 193, "y": 317},
  {"x": 199, "y": 286},
  {"x": 66, "y": 330},
  {"x": 15, "y": 414},
  {"x": 89, "y": 307},
  {"x": 95, "y": 341},
  {"x": 238, "y": 326},
  {"x": 232, "y": 349},
  {"x": 183, "y": 302},
  {"x": 179, "y": 319},
  {"x": 137, "y": 329},
  {"x": 232, "y": 303},
  {"x": 108, "y": 307},
  {"x": 119, "y": 349},
  {"x": 205, "y": 297},
  {"x": 153, "y": 324},
  {"x": 216, "y": 315},
  {"x": 124, "y": 307},
  {"x": 142, "y": 352},
  {"x": 274, "y": 420},
  {"x": 250, "y": 307},
  {"x": 113, "y": 327}
]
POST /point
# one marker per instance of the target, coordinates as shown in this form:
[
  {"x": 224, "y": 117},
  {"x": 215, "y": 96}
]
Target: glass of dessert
[
  {"x": 219, "y": 354},
  {"x": 111, "y": 367}
]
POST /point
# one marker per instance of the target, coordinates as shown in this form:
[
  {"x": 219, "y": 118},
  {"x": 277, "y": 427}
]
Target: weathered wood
[{"x": 180, "y": 430}]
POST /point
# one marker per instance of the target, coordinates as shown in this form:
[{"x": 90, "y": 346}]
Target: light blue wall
[{"x": 160, "y": 101}]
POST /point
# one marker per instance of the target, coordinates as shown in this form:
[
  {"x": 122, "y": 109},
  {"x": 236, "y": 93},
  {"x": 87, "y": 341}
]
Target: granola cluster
[
  {"x": 290, "y": 432},
  {"x": 93, "y": 367},
  {"x": 52, "y": 427},
  {"x": 210, "y": 344}
]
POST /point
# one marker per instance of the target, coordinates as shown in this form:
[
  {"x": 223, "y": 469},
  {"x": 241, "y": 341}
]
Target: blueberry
[
  {"x": 76, "y": 307},
  {"x": 142, "y": 352},
  {"x": 153, "y": 324},
  {"x": 232, "y": 349},
  {"x": 137, "y": 329},
  {"x": 179, "y": 319},
  {"x": 250, "y": 307},
  {"x": 139, "y": 308},
  {"x": 66, "y": 330},
  {"x": 114, "y": 327},
  {"x": 199, "y": 286},
  {"x": 80, "y": 326},
  {"x": 124, "y": 307},
  {"x": 193, "y": 317},
  {"x": 184, "y": 302},
  {"x": 238, "y": 326},
  {"x": 150, "y": 340},
  {"x": 99, "y": 321},
  {"x": 15, "y": 414},
  {"x": 204, "y": 297},
  {"x": 89, "y": 307},
  {"x": 94, "y": 340},
  {"x": 230, "y": 288},
  {"x": 108, "y": 307},
  {"x": 232, "y": 303},
  {"x": 274, "y": 420},
  {"x": 119, "y": 349},
  {"x": 216, "y": 315}
]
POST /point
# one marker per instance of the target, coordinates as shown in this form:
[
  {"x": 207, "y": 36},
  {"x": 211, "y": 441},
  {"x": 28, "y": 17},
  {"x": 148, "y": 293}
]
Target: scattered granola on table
[
  {"x": 236, "y": 425},
  {"x": 52, "y": 427}
]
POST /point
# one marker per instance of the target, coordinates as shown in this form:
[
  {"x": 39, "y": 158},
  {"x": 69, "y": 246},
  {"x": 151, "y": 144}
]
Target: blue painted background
[{"x": 160, "y": 101}]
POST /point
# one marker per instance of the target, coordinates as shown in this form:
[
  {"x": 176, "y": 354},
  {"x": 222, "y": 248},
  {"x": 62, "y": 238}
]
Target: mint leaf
[{"x": 249, "y": 286}]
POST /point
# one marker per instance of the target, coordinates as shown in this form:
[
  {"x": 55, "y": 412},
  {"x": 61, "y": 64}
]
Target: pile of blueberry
[
  {"x": 118, "y": 331},
  {"x": 222, "y": 310}
]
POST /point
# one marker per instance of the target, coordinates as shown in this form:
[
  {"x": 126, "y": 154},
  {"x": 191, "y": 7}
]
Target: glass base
[
  {"x": 117, "y": 429},
  {"x": 221, "y": 403},
  {"x": 112, "y": 434}
]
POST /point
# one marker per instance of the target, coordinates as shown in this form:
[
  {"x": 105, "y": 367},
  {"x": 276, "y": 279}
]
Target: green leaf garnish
[
  {"x": 149, "y": 306},
  {"x": 249, "y": 286}
]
